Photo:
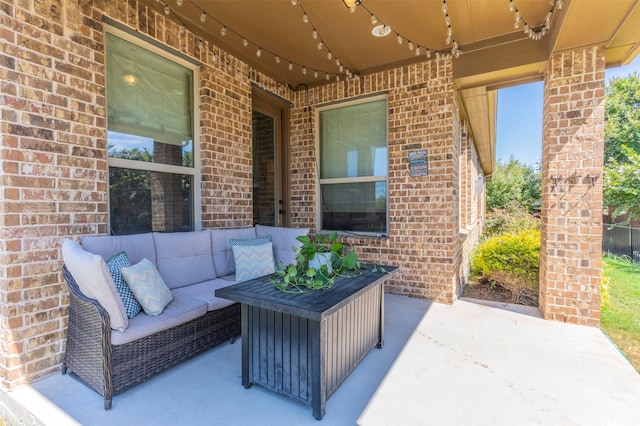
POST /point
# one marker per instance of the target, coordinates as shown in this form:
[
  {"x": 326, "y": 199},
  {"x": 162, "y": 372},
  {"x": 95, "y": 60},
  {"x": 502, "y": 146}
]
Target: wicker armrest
[{"x": 88, "y": 351}]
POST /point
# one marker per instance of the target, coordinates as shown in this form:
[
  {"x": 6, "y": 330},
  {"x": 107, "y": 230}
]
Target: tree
[
  {"x": 622, "y": 185},
  {"x": 514, "y": 182},
  {"x": 622, "y": 146},
  {"x": 622, "y": 117}
]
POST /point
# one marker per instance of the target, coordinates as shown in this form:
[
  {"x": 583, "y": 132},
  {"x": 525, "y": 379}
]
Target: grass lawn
[{"x": 620, "y": 315}]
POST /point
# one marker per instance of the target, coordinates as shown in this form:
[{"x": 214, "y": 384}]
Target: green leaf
[{"x": 350, "y": 260}]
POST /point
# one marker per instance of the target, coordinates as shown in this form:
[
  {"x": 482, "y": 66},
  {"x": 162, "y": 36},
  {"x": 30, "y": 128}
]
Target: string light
[
  {"x": 203, "y": 17},
  {"x": 305, "y": 18},
  {"x": 223, "y": 31},
  {"x": 259, "y": 52},
  {"x": 374, "y": 20},
  {"x": 166, "y": 9},
  {"x": 179, "y": 3},
  {"x": 534, "y": 33},
  {"x": 245, "y": 42}
]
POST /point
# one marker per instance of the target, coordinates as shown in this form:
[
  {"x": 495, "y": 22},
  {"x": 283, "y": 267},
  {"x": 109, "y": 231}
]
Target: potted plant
[{"x": 319, "y": 261}]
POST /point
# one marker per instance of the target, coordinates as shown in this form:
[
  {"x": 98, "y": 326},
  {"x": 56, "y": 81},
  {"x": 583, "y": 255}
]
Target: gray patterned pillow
[{"x": 131, "y": 305}]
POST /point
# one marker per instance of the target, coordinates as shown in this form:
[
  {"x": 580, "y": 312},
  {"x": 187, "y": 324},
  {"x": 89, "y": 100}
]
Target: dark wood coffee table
[{"x": 303, "y": 346}]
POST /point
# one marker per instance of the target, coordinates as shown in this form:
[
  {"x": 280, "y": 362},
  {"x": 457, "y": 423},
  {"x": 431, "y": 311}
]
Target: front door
[{"x": 270, "y": 198}]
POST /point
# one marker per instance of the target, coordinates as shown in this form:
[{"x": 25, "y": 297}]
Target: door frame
[{"x": 277, "y": 107}]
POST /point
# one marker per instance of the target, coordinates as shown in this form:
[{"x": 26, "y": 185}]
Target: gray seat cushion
[
  {"x": 179, "y": 311},
  {"x": 184, "y": 258},
  {"x": 284, "y": 242},
  {"x": 137, "y": 247},
  {"x": 205, "y": 292},
  {"x": 222, "y": 254}
]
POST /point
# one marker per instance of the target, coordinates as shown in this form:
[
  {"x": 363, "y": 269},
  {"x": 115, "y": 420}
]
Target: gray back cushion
[
  {"x": 137, "y": 246},
  {"x": 283, "y": 240},
  {"x": 184, "y": 258},
  {"x": 222, "y": 254}
]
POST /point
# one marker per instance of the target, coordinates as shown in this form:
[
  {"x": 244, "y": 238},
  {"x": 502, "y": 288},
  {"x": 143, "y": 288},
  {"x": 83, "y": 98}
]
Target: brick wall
[
  {"x": 423, "y": 235},
  {"x": 53, "y": 159},
  {"x": 53, "y": 156},
  {"x": 472, "y": 197},
  {"x": 572, "y": 161}
]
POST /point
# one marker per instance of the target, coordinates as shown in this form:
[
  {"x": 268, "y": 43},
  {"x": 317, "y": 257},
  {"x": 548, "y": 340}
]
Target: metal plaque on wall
[{"x": 418, "y": 164}]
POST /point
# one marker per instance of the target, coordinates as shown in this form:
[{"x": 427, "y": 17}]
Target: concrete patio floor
[{"x": 464, "y": 364}]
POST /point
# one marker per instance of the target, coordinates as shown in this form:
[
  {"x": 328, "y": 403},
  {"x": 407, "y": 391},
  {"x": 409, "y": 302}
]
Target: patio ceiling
[{"x": 493, "y": 53}]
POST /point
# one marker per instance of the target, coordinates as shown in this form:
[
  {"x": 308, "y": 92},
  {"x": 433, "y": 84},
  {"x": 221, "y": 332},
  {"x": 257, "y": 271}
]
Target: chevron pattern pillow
[
  {"x": 116, "y": 263},
  {"x": 148, "y": 287},
  {"x": 253, "y": 258}
]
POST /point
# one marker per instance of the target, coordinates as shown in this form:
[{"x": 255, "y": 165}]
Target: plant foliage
[
  {"x": 622, "y": 147},
  {"x": 512, "y": 261},
  {"x": 511, "y": 219},
  {"x": 301, "y": 278},
  {"x": 514, "y": 182}
]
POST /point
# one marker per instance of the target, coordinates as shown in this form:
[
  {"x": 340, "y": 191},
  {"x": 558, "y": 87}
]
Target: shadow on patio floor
[{"x": 467, "y": 363}]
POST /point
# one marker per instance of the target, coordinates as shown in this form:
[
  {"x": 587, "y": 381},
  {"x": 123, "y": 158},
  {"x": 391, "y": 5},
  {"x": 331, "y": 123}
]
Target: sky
[{"x": 519, "y": 131}]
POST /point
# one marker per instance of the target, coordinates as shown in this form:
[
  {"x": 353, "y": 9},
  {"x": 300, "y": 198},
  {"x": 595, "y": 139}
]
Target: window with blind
[
  {"x": 150, "y": 138},
  {"x": 353, "y": 166}
]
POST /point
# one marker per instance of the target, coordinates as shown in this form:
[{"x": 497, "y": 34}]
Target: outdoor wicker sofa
[{"x": 109, "y": 352}]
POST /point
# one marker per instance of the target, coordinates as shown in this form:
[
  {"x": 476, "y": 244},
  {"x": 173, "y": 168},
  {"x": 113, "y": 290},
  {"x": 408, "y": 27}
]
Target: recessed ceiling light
[{"x": 381, "y": 30}]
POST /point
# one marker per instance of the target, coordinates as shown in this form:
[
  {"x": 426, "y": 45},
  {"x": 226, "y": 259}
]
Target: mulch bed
[{"x": 485, "y": 291}]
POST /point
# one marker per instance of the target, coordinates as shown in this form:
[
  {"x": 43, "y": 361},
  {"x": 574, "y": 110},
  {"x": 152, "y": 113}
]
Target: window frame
[
  {"x": 359, "y": 179},
  {"x": 124, "y": 163}
]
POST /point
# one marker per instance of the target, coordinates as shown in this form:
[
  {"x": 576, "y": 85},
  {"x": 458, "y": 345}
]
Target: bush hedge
[{"x": 511, "y": 260}]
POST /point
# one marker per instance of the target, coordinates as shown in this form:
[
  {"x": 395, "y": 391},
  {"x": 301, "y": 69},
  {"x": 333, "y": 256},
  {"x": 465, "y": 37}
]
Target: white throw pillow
[
  {"x": 148, "y": 287},
  {"x": 94, "y": 279}
]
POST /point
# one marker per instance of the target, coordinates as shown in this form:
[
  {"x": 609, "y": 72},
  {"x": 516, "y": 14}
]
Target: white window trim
[
  {"x": 319, "y": 182},
  {"x": 164, "y": 168}
]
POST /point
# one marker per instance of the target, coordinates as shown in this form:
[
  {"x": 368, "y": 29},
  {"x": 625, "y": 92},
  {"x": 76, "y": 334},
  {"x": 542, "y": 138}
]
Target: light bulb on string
[
  {"x": 223, "y": 31},
  {"x": 329, "y": 55},
  {"x": 399, "y": 39},
  {"x": 320, "y": 45},
  {"x": 410, "y": 45},
  {"x": 304, "y": 70},
  {"x": 314, "y": 34},
  {"x": 290, "y": 66},
  {"x": 374, "y": 20},
  {"x": 259, "y": 52},
  {"x": 245, "y": 42},
  {"x": 315, "y": 73},
  {"x": 305, "y": 18},
  {"x": 179, "y": 3},
  {"x": 203, "y": 17},
  {"x": 166, "y": 9},
  {"x": 327, "y": 77},
  {"x": 277, "y": 59}
]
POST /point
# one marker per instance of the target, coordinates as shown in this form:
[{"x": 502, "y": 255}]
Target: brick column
[{"x": 572, "y": 166}]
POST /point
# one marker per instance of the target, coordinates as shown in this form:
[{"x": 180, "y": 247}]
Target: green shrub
[
  {"x": 512, "y": 219},
  {"x": 512, "y": 261}
]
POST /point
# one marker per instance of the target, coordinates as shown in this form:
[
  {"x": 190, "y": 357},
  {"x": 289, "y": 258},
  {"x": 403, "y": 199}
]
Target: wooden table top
[{"x": 313, "y": 304}]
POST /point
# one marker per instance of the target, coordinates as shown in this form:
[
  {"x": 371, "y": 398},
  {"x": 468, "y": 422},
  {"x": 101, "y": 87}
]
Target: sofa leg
[
  {"x": 232, "y": 340},
  {"x": 64, "y": 368},
  {"x": 107, "y": 404}
]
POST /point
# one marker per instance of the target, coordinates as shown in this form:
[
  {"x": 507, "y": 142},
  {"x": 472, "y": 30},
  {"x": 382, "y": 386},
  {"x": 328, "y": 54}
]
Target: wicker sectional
[{"x": 109, "y": 367}]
